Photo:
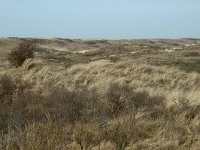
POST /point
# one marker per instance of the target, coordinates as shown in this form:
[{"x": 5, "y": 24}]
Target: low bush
[
  {"x": 7, "y": 88},
  {"x": 40, "y": 136},
  {"x": 87, "y": 135},
  {"x": 124, "y": 100},
  {"x": 19, "y": 54}
]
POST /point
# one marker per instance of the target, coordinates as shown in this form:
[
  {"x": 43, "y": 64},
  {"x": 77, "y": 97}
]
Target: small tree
[{"x": 19, "y": 54}]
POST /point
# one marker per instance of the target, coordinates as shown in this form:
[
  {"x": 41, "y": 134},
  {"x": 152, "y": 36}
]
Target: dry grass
[{"x": 105, "y": 98}]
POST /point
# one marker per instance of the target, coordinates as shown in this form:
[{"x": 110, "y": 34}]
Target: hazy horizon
[{"x": 89, "y": 19}]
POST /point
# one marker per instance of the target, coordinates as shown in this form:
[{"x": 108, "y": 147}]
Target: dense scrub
[
  {"x": 118, "y": 96},
  {"x": 84, "y": 119}
]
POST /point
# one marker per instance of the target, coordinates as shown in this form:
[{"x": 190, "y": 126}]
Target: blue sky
[{"x": 116, "y": 19}]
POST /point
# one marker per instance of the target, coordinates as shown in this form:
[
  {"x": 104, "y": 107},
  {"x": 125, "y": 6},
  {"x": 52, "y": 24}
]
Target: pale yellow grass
[{"x": 171, "y": 83}]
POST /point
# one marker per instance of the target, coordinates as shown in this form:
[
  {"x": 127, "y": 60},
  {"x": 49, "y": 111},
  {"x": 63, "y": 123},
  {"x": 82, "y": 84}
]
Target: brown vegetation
[
  {"x": 72, "y": 103},
  {"x": 20, "y": 53}
]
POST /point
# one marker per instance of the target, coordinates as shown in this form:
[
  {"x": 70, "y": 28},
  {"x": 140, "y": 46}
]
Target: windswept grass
[{"x": 112, "y": 99}]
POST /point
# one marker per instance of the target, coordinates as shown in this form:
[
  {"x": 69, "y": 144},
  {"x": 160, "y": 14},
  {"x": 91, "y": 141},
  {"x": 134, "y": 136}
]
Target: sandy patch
[
  {"x": 80, "y": 52},
  {"x": 83, "y": 51},
  {"x": 134, "y": 52},
  {"x": 54, "y": 48}
]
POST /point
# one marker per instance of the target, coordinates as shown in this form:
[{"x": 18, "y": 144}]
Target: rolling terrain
[{"x": 102, "y": 94}]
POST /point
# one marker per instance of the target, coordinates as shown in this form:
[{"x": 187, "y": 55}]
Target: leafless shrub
[
  {"x": 183, "y": 104},
  {"x": 120, "y": 133},
  {"x": 9, "y": 140},
  {"x": 87, "y": 135},
  {"x": 192, "y": 113},
  {"x": 116, "y": 99},
  {"x": 19, "y": 54},
  {"x": 49, "y": 135},
  {"x": 7, "y": 88},
  {"x": 123, "y": 100},
  {"x": 65, "y": 104}
]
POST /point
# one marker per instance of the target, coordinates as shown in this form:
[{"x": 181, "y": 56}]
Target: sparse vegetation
[{"x": 112, "y": 100}]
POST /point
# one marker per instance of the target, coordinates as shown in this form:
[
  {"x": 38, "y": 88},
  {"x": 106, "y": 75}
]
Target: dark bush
[
  {"x": 116, "y": 99},
  {"x": 66, "y": 105},
  {"x": 7, "y": 88},
  {"x": 124, "y": 100},
  {"x": 19, "y": 54}
]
